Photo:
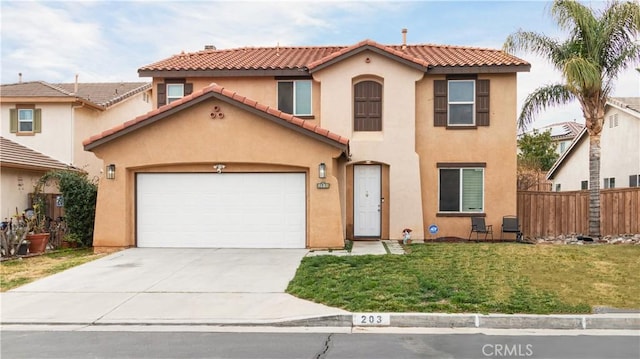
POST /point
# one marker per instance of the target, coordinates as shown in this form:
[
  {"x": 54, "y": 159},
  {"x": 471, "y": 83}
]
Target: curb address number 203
[{"x": 371, "y": 319}]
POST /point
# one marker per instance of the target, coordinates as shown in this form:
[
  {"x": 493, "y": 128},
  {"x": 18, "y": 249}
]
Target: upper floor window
[
  {"x": 584, "y": 185},
  {"x": 367, "y": 106},
  {"x": 25, "y": 119},
  {"x": 172, "y": 90},
  {"x": 461, "y": 102},
  {"x": 462, "y": 94},
  {"x": 461, "y": 190},
  {"x": 634, "y": 181},
  {"x": 294, "y": 97}
]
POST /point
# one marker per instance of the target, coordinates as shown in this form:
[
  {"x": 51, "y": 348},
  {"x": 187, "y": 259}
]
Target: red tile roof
[
  {"x": 102, "y": 94},
  {"x": 15, "y": 155},
  {"x": 282, "y": 58},
  {"x": 232, "y": 97}
]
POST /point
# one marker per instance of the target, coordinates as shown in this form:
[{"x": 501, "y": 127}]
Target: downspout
[
  {"x": 73, "y": 129},
  {"x": 73, "y": 120}
]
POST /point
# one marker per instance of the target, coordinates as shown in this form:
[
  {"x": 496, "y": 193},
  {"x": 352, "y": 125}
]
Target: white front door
[{"x": 367, "y": 200}]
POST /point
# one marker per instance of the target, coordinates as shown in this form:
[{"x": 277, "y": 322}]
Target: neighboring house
[
  {"x": 53, "y": 119},
  {"x": 20, "y": 170},
  {"x": 305, "y": 146},
  {"x": 619, "y": 148},
  {"x": 44, "y": 124},
  {"x": 562, "y": 134}
]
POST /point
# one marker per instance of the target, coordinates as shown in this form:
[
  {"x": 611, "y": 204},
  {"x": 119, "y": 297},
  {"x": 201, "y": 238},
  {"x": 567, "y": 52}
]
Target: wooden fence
[{"x": 555, "y": 213}]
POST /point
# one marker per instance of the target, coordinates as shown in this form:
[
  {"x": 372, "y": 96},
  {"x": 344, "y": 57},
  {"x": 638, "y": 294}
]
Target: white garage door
[{"x": 221, "y": 210}]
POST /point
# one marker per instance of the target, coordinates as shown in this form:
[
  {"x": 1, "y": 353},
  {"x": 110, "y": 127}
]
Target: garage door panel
[{"x": 228, "y": 210}]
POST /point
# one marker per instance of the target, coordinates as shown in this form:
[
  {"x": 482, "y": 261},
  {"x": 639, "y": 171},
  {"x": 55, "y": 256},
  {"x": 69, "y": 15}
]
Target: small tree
[
  {"x": 537, "y": 151},
  {"x": 79, "y": 195}
]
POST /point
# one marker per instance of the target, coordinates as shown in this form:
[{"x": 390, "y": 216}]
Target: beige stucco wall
[
  {"x": 261, "y": 89},
  {"x": 409, "y": 146},
  {"x": 15, "y": 186},
  {"x": 394, "y": 145},
  {"x": 620, "y": 147},
  {"x": 495, "y": 145},
  {"x": 89, "y": 122},
  {"x": 190, "y": 141},
  {"x": 56, "y": 138}
]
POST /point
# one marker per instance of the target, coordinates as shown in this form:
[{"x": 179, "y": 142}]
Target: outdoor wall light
[
  {"x": 322, "y": 170},
  {"x": 111, "y": 171},
  {"x": 219, "y": 167}
]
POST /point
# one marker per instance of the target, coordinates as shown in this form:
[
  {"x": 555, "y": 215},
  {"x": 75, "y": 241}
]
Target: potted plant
[{"x": 36, "y": 223}]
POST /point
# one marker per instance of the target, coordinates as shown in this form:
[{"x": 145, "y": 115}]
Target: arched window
[{"x": 367, "y": 106}]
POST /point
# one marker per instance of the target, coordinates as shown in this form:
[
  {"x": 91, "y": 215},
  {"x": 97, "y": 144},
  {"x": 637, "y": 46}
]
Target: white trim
[
  {"x": 174, "y": 98},
  {"x": 472, "y": 103},
  {"x": 293, "y": 105}
]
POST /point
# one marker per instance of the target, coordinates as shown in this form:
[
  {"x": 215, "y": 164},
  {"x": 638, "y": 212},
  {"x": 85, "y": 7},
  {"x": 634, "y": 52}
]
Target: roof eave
[
  {"x": 222, "y": 73},
  {"x": 23, "y": 166},
  {"x": 478, "y": 69}
]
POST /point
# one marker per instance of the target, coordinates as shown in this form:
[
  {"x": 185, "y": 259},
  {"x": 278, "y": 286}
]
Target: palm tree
[{"x": 600, "y": 46}]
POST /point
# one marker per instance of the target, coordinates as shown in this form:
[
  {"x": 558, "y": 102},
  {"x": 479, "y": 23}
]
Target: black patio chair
[
  {"x": 478, "y": 226},
  {"x": 510, "y": 224}
]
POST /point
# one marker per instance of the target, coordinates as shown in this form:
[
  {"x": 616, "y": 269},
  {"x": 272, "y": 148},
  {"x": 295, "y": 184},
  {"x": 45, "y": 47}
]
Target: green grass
[
  {"x": 17, "y": 272},
  {"x": 485, "y": 278}
]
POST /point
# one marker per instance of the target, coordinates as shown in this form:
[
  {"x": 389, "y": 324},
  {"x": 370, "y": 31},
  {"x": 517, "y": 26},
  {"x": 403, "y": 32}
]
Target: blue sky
[{"x": 109, "y": 40}]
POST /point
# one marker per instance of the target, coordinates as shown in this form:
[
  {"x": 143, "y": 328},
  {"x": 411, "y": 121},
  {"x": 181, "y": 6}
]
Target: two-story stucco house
[
  {"x": 305, "y": 146},
  {"x": 619, "y": 151},
  {"x": 50, "y": 121}
]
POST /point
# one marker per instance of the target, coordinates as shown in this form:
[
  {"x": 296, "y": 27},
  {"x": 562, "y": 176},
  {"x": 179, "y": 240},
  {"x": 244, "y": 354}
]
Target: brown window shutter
[
  {"x": 188, "y": 89},
  {"x": 13, "y": 116},
  {"x": 367, "y": 106},
  {"x": 482, "y": 102},
  {"x": 37, "y": 120},
  {"x": 162, "y": 95},
  {"x": 440, "y": 103}
]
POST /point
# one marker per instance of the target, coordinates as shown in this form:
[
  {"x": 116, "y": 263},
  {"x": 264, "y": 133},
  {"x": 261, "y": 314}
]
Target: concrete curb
[
  {"x": 484, "y": 321},
  {"x": 617, "y": 321}
]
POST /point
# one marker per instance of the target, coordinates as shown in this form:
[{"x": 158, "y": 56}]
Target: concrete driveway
[{"x": 173, "y": 286}]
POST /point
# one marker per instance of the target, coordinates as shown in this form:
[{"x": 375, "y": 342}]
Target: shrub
[{"x": 79, "y": 194}]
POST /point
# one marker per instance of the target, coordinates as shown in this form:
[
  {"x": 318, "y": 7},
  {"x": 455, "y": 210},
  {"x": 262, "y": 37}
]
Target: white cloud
[{"x": 37, "y": 39}]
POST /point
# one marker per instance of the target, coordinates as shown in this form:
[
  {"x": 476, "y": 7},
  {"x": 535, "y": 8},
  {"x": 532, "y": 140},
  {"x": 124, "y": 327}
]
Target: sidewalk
[{"x": 360, "y": 248}]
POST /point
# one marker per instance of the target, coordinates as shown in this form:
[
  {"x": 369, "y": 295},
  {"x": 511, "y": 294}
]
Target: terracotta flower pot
[{"x": 38, "y": 242}]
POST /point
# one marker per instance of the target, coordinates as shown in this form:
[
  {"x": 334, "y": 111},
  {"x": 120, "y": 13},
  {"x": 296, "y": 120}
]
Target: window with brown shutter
[
  {"x": 173, "y": 89},
  {"x": 463, "y": 108},
  {"x": 25, "y": 119},
  {"x": 482, "y": 102},
  {"x": 367, "y": 106},
  {"x": 440, "y": 103}
]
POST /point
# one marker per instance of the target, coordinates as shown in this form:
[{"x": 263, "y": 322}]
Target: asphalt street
[{"x": 147, "y": 344}]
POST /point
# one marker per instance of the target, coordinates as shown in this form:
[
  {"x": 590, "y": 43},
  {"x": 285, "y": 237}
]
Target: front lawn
[
  {"x": 20, "y": 271},
  {"x": 471, "y": 277}
]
